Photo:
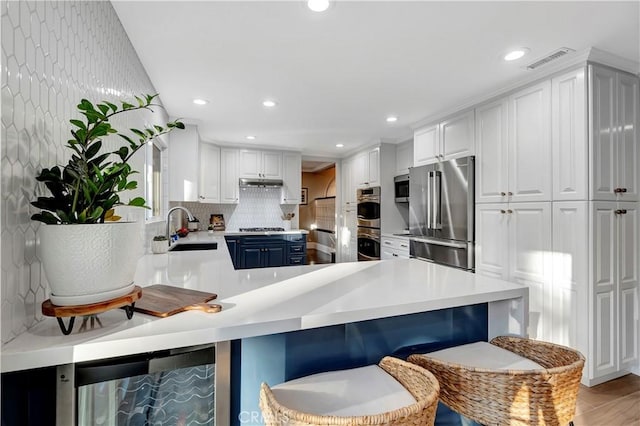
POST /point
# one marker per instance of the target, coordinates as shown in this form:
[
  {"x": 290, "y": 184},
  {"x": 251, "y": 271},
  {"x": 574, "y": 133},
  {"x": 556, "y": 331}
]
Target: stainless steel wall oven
[{"x": 368, "y": 223}]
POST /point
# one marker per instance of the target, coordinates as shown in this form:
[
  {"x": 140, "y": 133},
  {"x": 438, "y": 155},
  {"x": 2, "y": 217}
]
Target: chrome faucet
[{"x": 171, "y": 210}]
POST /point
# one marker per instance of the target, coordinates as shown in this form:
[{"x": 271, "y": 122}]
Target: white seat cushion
[
  {"x": 355, "y": 392},
  {"x": 485, "y": 355}
]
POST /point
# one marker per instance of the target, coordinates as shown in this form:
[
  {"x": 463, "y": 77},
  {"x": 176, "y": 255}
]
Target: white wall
[{"x": 53, "y": 55}]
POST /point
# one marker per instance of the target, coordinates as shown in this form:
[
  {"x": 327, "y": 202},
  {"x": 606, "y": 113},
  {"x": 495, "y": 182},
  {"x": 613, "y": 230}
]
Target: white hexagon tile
[{"x": 54, "y": 53}]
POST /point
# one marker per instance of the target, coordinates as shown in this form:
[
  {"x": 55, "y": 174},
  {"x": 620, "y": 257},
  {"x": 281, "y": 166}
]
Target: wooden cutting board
[{"x": 164, "y": 300}]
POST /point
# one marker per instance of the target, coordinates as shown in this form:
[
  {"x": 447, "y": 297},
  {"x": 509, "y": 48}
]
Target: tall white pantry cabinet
[{"x": 567, "y": 223}]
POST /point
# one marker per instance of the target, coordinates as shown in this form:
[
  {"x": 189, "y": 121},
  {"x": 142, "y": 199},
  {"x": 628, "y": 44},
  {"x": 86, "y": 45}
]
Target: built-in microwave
[{"x": 401, "y": 185}]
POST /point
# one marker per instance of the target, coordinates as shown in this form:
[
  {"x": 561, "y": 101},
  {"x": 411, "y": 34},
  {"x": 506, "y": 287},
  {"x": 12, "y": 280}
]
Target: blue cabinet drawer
[{"x": 297, "y": 260}]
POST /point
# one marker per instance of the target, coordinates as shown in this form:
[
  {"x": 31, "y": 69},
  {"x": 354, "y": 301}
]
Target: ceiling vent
[{"x": 550, "y": 57}]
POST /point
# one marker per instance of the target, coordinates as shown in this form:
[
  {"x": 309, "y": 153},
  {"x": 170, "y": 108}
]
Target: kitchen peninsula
[{"x": 259, "y": 305}]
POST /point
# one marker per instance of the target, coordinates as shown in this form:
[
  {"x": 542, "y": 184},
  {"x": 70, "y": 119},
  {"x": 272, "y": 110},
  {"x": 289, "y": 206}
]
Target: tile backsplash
[
  {"x": 256, "y": 207},
  {"x": 54, "y": 53}
]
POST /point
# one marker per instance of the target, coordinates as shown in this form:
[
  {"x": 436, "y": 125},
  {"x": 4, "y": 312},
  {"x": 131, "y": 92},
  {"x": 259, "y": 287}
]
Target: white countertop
[{"x": 256, "y": 302}]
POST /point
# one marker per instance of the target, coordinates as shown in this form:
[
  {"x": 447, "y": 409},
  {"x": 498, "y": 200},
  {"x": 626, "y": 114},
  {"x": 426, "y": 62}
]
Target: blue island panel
[{"x": 277, "y": 358}]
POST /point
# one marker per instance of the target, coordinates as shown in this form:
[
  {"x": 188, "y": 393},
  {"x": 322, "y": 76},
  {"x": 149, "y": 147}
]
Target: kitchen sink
[{"x": 194, "y": 246}]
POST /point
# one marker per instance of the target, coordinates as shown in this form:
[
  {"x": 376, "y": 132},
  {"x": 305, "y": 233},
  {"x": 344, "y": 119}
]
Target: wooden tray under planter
[
  {"x": 164, "y": 300},
  {"x": 127, "y": 302}
]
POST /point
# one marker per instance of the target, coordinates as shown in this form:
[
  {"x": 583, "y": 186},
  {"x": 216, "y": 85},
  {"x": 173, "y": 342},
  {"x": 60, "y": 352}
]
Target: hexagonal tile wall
[{"x": 53, "y": 55}]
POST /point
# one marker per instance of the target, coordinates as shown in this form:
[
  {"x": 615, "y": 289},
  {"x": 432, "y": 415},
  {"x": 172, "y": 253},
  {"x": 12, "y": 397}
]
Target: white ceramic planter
[
  {"x": 90, "y": 263},
  {"x": 159, "y": 247}
]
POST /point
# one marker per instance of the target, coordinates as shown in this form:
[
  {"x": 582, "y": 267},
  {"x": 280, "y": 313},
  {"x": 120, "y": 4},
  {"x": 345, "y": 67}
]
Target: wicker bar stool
[
  {"x": 511, "y": 381},
  {"x": 394, "y": 392}
]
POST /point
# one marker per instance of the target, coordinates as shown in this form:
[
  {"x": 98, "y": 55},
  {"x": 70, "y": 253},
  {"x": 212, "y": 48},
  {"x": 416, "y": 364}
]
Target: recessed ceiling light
[
  {"x": 516, "y": 54},
  {"x": 392, "y": 119},
  {"x": 251, "y": 137},
  {"x": 200, "y": 101},
  {"x": 339, "y": 145},
  {"x": 318, "y": 5},
  {"x": 269, "y": 103}
]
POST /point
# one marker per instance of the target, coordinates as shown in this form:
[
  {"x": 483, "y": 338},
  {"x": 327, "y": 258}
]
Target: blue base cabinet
[{"x": 266, "y": 251}]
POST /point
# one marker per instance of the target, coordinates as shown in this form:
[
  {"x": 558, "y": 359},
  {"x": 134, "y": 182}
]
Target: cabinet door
[
  {"x": 426, "y": 145},
  {"x": 604, "y": 304},
  {"x": 291, "y": 178},
  {"x": 271, "y": 165},
  {"x": 628, "y": 255},
  {"x": 457, "y": 136},
  {"x": 360, "y": 169},
  {"x": 492, "y": 239},
  {"x": 184, "y": 149},
  {"x": 251, "y": 257},
  {"x": 348, "y": 185},
  {"x": 627, "y": 139},
  {"x": 530, "y": 260},
  {"x": 570, "y": 289},
  {"x": 602, "y": 110},
  {"x": 232, "y": 246},
  {"x": 274, "y": 255},
  {"x": 209, "y": 187},
  {"x": 530, "y": 144},
  {"x": 229, "y": 185},
  {"x": 569, "y": 136},
  {"x": 492, "y": 148},
  {"x": 249, "y": 164},
  {"x": 404, "y": 157},
  {"x": 373, "y": 167}
]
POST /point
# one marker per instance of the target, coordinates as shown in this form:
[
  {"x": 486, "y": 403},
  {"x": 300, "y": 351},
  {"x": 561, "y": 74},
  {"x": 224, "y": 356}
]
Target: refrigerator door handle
[
  {"x": 436, "y": 242},
  {"x": 429, "y": 200},
  {"x": 435, "y": 195}
]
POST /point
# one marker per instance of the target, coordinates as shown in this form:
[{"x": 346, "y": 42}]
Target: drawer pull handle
[{"x": 621, "y": 211}]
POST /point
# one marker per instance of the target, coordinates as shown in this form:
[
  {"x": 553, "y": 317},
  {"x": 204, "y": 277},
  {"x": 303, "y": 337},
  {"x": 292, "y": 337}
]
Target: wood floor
[{"x": 614, "y": 403}]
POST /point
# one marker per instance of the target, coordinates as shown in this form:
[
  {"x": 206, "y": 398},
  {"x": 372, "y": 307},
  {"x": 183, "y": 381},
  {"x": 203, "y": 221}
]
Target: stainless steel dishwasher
[{"x": 177, "y": 386}]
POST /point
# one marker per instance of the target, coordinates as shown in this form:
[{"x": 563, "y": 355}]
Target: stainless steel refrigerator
[{"x": 441, "y": 212}]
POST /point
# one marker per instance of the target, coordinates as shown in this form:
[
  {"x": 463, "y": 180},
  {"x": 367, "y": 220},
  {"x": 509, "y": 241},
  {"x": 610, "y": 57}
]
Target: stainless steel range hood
[{"x": 260, "y": 183}]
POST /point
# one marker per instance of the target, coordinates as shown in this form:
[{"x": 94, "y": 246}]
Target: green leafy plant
[{"x": 88, "y": 187}]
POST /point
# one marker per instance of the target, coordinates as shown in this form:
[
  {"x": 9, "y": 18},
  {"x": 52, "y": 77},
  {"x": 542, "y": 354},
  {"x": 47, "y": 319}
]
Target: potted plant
[
  {"x": 87, "y": 255},
  {"x": 159, "y": 244}
]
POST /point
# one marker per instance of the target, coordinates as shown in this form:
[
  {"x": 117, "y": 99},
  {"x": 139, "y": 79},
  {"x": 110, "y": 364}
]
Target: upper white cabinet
[
  {"x": 530, "y": 144},
  {"x": 291, "y": 177},
  {"x": 569, "y": 136},
  {"x": 514, "y": 147},
  {"x": 613, "y": 107},
  {"x": 448, "y": 139},
  {"x": 404, "y": 157},
  {"x": 366, "y": 168},
  {"x": 209, "y": 184},
  {"x": 184, "y": 149},
  {"x": 492, "y": 159},
  {"x": 229, "y": 184},
  {"x": 260, "y": 164}
]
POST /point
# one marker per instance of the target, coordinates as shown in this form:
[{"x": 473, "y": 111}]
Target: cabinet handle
[
  {"x": 619, "y": 190},
  {"x": 621, "y": 211},
  {"x": 502, "y": 211},
  {"x": 503, "y": 193},
  {"x": 394, "y": 255},
  {"x": 509, "y": 211},
  {"x": 404, "y": 245},
  {"x": 509, "y": 193},
  {"x": 201, "y": 197}
]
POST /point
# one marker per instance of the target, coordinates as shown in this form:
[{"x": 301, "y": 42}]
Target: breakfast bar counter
[{"x": 267, "y": 301}]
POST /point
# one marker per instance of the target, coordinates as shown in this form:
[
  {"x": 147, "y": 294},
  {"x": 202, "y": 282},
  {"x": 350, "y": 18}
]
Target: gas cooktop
[{"x": 261, "y": 229}]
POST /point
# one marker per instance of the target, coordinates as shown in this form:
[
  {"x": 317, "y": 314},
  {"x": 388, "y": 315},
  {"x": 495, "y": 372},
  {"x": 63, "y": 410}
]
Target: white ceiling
[{"x": 337, "y": 75}]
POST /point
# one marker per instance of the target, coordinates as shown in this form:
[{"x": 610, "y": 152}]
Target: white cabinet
[
  {"x": 348, "y": 183},
  {"x": 209, "y": 184},
  {"x": 448, "y": 139},
  {"x": 184, "y": 149},
  {"x": 291, "y": 178},
  {"x": 530, "y": 143},
  {"x": 394, "y": 248},
  {"x": 569, "y": 135},
  {"x": 229, "y": 184},
  {"x": 613, "y": 107},
  {"x": 513, "y": 242},
  {"x": 514, "y": 147},
  {"x": 614, "y": 294},
  {"x": 366, "y": 168},
  {"x": 404, "y": 157},
  {"x": 260, "y": 164},
  {"x": 492, "y": 136}
]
